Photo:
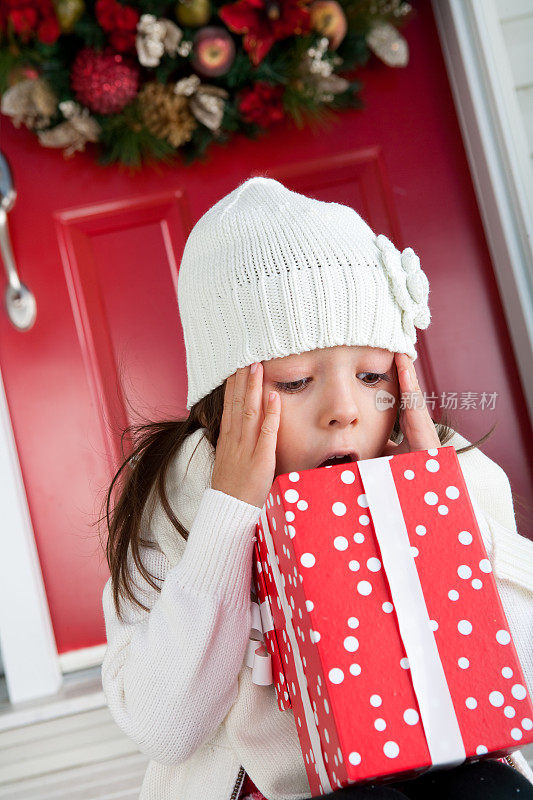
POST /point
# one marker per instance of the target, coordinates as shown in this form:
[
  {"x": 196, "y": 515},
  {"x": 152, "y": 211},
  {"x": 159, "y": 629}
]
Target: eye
[
  {"x": 291, "y": 387},
  {"x": 377, "y": 375},
  {"x": 298, "y": 386}
]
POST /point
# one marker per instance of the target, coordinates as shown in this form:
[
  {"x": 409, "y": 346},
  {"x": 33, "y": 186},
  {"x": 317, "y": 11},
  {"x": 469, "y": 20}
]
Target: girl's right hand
[{"x": 245, "y": 457}]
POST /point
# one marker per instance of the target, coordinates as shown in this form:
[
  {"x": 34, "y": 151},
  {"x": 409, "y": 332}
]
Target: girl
[{"x": 299, "y": 327}]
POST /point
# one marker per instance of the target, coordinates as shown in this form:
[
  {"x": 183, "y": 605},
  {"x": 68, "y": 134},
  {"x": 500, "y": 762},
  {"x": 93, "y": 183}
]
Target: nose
[{"x": 340, "y": 405}]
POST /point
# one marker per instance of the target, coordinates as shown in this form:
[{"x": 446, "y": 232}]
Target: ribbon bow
[
  {"x": 409, "y": 285},
  {"x": 257, "y": 656}
]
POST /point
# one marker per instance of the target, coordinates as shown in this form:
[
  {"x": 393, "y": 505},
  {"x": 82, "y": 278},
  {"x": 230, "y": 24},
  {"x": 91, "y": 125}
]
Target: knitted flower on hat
[{"x": 409, "y": 284}]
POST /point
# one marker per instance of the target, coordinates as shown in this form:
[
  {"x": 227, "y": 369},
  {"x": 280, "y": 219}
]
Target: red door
[{"x": 100, "y": 250}]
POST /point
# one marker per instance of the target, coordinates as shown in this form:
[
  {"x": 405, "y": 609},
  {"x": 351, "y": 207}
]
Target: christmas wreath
[{"x": 146, "y": 80}]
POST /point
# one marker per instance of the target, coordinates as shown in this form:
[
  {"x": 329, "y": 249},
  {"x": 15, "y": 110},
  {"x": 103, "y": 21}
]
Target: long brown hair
[{"x": 155, "y": 446}]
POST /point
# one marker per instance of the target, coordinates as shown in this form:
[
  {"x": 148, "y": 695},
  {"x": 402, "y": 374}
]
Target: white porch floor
[{"x": 68, "y": 747}]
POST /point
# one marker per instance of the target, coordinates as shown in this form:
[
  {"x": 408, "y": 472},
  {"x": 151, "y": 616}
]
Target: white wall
[{"x": 516, "y": 20}]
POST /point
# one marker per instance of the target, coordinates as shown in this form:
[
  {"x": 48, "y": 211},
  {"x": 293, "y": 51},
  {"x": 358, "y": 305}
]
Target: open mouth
[{"x": 331, "y": 462}]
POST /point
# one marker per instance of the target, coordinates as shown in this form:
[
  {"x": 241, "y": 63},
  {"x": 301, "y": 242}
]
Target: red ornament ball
[{"x": 104, "y": 82}]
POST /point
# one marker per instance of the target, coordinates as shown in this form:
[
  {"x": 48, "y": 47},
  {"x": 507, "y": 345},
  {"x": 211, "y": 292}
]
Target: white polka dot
[
  {"x": 326, "y": 706},
  {"x": 471, "y": 702},
  {"x": 464, "y": 627},
  {"x": 362, "y": 501},
  {"x": 434, "y": 451},
  {"x": 453, "y": 594},
  {"x": 496, "y": 699},
  {"x": 518, "y": 691},
  {"x": 354, "y": 565},
  {"x": 364, "y": 587},
  {"x": 409, "y": 474},
  {"x": 507, "y": 672},
  {"x": 340, "y": 543},
  {"x": 391, "y": 749},
  {"x": 373, "y": 564},
  {"x": 354, "y": 758},
  {"x": 485, "y": 565},
  {"x": 347, "y": 476},
  {"x": 442, "y": 510},
  {"x": 477, "y": 584},
  {"x": 404, "y": 662},
  {"x": 364, "y": 519},
  {"x": 380, "y": 724},
  {"x": 358, "y": 538},
  {"x": 294, "y": 476},
  {"x": 421, "y": 530},
  {"x": 291, "y": 495},
  {"x": 301, "y": 505},
  {"x": 516, "y": 733},
  {"x": 336, "y": 675},
  {"x": 410, "y": 716},
  {"x": 351, "y": 644},
  {"x": 309, "y": 605},
  {"x": 326, "y": 735},
  {"x": 452, "y": 492},
  {"x": 509, "y": 712},
  {"x": 339, "y": 509},
  {"x": 414, "y": 551},
  {"x": 464, "y": 571},
  {"x": 432, "y": 465},
  {"x": 387, "y": 607},
  {"x": 465, "y": 537},
  {"x": 292, "y": 531},
  {"x": 463, "y": 662},
  {"x": 289, "y": 516},
  {"x": 314, "y": 636},
  {"x": 431, "y": 498},
  {"x": 527, "y": 724},
  {"x": 375, "y": 700},
  {"x": 481, "y": 750},
  {"x": 503, "y": 637},
  {"x": 307, "y": 560},
  {"x": 433, "y": 624},
  {"x": 355, "y": 669}
]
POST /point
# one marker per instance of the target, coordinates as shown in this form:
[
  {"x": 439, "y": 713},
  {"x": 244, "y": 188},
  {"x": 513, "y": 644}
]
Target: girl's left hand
[{"x": 416, "y": 425}]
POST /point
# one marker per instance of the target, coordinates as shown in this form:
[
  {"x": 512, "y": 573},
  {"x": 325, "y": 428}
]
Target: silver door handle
[{"x": 19, "y": 301}]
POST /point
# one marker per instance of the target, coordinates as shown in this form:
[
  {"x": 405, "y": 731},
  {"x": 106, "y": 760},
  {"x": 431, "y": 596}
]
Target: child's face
[{"x": 332, "y": 403}]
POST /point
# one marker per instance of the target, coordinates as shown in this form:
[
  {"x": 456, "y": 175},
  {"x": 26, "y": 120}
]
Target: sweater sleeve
[
  {"x": 511, "y": 558},
  {"x": 170, "y": 674}
]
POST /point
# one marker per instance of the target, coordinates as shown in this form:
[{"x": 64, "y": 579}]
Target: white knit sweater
[{"x": 174, "y": 677}]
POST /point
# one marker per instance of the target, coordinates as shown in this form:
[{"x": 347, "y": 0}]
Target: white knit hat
[{"x": 267, "y": 272}]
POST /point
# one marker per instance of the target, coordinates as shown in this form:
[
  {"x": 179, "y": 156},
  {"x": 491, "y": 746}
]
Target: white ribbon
[
  {"x": 441, "y": 727},
  {"x": 257, "y": 656}
]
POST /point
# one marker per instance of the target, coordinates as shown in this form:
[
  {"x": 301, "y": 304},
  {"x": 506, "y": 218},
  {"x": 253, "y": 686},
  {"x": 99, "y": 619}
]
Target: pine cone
[{"x": 166, "y": 114}]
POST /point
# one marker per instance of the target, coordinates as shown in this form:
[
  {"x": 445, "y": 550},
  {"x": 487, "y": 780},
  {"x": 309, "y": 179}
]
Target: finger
[
  {"x": 225, "y": 421},
  {"x": 268, "y": 435},
  {"x": 252, "y": 411},
  {"x": 239, "y": 393},
  {"x": 415, "y": 422}
]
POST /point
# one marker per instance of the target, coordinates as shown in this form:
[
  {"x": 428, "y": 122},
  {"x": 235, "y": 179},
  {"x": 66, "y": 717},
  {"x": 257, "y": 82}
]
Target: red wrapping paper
[{"x": 360, "y": 690}]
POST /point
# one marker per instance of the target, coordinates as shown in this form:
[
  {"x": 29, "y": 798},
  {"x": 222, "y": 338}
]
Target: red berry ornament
[{"x": 104, "y": 82}]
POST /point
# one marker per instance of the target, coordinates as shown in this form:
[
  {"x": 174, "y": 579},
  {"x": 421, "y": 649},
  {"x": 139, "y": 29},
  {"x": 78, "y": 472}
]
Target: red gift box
[{"x": 386, "y": 631}]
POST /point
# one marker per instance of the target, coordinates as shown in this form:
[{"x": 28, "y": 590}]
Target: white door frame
[
  {"x": 29, "y": 650},
  {"x": 498, "y": 153}
]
